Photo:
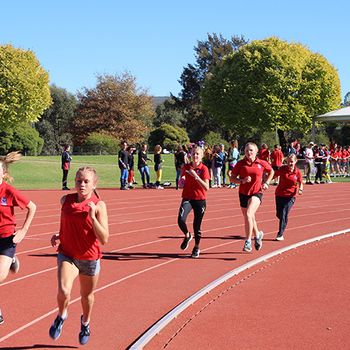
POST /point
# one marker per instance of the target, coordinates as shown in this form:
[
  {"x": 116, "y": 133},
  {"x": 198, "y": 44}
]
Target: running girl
[
  {"x": 196, "y": 176},
  {"x": 249, "y": 172},
  {"x": 290, "y": 180},
  {"x": 84, "y": 224},
  {"x": 9, "y": 236}
]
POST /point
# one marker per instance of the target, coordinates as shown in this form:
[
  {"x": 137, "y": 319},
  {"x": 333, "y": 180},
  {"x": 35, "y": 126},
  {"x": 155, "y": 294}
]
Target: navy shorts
[
  {"x": 85, "y": 267},
  {"x": 243, "y": 199},
  {"x": 7, "y": 247}
]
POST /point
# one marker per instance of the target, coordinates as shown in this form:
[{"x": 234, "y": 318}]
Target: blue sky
[{"x": 76, "y": 40}]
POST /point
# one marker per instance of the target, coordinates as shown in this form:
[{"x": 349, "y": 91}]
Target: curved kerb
[{"x": 167, "y": 318}]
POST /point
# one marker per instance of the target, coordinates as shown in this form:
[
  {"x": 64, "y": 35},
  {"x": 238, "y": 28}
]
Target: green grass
[{"x": 44, "y": 172}]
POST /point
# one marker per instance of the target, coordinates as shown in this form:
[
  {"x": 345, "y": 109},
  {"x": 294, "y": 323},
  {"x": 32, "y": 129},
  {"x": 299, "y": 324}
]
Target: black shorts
[
  {"x": 7, "y": 247},
  {"x": 275, "y": 167},
  {"x": 243, "y": 199}
]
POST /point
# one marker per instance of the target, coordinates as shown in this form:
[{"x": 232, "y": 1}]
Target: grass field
[{"x": 44, "y": 172}]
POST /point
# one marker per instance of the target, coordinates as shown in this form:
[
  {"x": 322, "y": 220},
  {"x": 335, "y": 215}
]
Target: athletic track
[{"x": 297, "y": 300}]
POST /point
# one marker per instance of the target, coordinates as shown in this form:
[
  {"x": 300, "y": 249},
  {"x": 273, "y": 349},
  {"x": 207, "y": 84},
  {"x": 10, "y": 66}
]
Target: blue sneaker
[
  {"x": 56, "y": 328},
  {"x": 84, "y": 334},
  {"x": 247, "y": 246}
]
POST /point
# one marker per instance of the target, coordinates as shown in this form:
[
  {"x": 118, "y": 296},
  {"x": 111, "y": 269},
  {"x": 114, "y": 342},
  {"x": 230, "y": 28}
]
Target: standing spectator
[
  {"x": 9, "y": 235},
  {"x": 84, "y": 226},
  {"x": 249, "y": 172},
  {"x": 233, "y": 157},
  {"x": 208, "y": 160},
  {"x": 158, "y": 166},
  {"x": 66, "y": 158},
  {"x": 196, "y": 176},
  {"x": 290, "y": 180},
  {"x": 180, "y": 157},
  {"x": 217, "y": 164},
  {"x": 309, "y": 160},
  {"x": 123, "y": 163},
  {"x": 131, "y": 173},
  {"x": 223, "y": 155},
  {"x": 319, "y": 156},
  {"x": 276, "y": 160},
  {"x": 142, "y": 165}
]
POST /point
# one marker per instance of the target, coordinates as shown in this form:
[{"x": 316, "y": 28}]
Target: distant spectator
[
  {"x": 66, "y": 159},
  {"x": 123, "y": 163},
  {"x": 143, "y": 167},
  {"x": 158, "y": 166}
]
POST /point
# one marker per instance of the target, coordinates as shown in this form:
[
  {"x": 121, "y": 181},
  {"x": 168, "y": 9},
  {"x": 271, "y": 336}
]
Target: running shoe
[
  {"x": 84, "y": 334},
  {"x": 56, "y": 328},
  {"x": 247, "y": 246},
  {"x": 279, "y": 238},
  {"x": 14, "y": 267},
  {"x": 186, "y": 242},
  {"x": 258, "y": 241},
  {"x": 1, "y": 318},
  {"x": 195, "y": 252}
]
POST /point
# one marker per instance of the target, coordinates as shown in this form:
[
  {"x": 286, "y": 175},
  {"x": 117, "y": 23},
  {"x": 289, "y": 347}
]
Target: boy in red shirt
[
  {"x": 9, "y": 235},
  {"x": 196, "y": 177},
  {"x": 290, "y": 180}
]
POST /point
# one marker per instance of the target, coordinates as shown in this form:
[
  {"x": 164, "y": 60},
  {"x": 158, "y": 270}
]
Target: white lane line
[{"x": 166, "y": 319}]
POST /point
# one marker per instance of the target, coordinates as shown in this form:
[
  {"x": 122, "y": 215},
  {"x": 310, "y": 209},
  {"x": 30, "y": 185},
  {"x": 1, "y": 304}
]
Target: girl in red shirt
[
  {"x": 249, "y": 172},
  {"x": 290, "y": 180},
  {"x": 196, "y": 177},
  {"x": 9, "y": 235},
  {"x": 84, "y": 224}
]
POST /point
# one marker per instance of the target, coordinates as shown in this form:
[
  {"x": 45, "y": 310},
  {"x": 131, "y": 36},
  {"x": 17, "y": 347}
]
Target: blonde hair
[
  {"x": 6, "y": 160},
  {"x": 91, "y": 170},
  {"x": 157, "y": 148},
  {"x": 251, "y": 144}
]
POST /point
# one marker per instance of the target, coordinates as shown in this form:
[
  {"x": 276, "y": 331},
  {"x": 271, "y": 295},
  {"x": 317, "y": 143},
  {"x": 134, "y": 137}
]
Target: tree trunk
[{"x": 283, "y": 141}]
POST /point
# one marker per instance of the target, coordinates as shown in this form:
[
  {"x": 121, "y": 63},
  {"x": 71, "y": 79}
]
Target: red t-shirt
[
  {"x": 77, "y": 237},
  {"x": 288, "y": 182},
  {"x": 276, "y": 157},
  {"x": 264, "y": 154},
  {"x": 9, "y": 199},
  {"x": 192, "y": 189},
  {"x": 255, "y": 170}
]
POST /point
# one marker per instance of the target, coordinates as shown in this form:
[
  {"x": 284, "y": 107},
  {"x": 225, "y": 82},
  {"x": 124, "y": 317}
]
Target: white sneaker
[{"x": 160, "y": 188}]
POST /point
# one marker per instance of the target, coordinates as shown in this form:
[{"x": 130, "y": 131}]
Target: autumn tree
[
  {"x": 116, "y": 106},
  {"x": 24, "y": 87},
  {"x": 209, "y": 54},
  {"x": 271, "y": 84}
]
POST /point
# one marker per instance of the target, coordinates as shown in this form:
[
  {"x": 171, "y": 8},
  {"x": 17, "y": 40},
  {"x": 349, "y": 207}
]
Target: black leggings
[{"x": 198, "y": 207}]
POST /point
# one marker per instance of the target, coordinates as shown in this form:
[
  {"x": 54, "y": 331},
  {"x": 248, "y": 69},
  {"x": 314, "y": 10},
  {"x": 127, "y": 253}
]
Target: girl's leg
[
  {"x": 199, "y": 207},
  {"x": 178, "y": 174},
  {"x": 283, "y": 206},
  {"x": 142, "y": 173},
  {"x": 249, "y": 217},
  {"x": 87, "y": 287},
  {"x": 5, "y": 263},
  {"x": 184, "y": 210},
  {"x": 67, "y": 273},
  {"x": 147, "y": 174}
]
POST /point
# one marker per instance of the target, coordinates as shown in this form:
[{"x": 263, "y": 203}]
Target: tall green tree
[
  {"x": 24, "y": 87},
  {"x": 209, "y": 54},
  {"x": 167, "y": 113},
  {"x": 116, "y": 106},
  {"x": 271, "y": 84},
  {"x": 55, "y": 125}
]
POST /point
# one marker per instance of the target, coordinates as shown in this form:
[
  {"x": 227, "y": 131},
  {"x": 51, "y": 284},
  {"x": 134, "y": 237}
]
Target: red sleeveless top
[{"x": 77, "y": 237}]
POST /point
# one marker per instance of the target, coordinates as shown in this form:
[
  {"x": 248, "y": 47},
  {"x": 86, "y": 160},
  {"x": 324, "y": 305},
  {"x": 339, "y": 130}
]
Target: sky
[{"x": 77, "y": 40}]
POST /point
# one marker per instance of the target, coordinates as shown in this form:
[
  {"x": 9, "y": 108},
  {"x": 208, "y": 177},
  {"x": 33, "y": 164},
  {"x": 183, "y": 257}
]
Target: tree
[
  {"x": 168, "y": 136},
  {"x": 209, "y": 54},
  {"x": 99, "y": 143},
  {"x": 271, "y": 84},
  {"x": 116, "y": 106},
  {"x": 21, "y": 137},
  {"x": 167, "y": 113},
  {"x": 24, "y": 87},
  {"x": 55, "y": 124}
]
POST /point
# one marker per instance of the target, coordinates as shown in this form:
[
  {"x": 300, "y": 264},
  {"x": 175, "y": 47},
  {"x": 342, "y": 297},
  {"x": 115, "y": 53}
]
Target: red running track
[{"x": 144, "y": 273}]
